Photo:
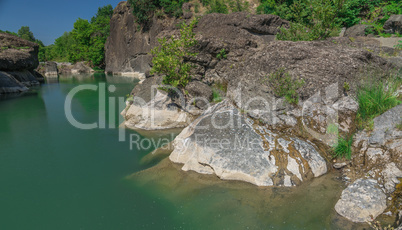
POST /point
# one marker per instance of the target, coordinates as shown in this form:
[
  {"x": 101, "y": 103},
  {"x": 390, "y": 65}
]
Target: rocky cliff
[
  {"x": 18, "y": 59},
  {"x": 254, "y": 135}
]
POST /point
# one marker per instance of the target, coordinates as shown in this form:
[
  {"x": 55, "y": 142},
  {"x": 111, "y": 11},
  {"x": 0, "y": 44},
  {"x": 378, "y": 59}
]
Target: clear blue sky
[{"x": 47, "y": 19}]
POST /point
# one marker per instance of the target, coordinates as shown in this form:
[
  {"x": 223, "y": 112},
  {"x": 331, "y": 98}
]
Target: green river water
[{"x": 55, "y": 176}]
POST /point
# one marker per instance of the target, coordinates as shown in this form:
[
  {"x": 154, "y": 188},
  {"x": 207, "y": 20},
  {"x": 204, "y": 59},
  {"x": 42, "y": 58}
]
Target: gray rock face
[
  {"x": 26, "y": 77},
  {"x": 357, "y": 30},
  {"x": 393, "y": 24},
  {"x": 128, "y": 47},
  {"x": 81, "y": 67},
  {"x": 361, "y": 201},
  {"x": 224, "y": 142},
  {"x": 380, "y": 150},
  {"x": 200, "y": 93},
  {"x": 159, "y": 113},
  {"x": 48, "y": 68},
  {"x": 8, "y": 84}
]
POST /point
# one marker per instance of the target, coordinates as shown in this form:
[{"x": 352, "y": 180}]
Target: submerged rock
[
  {"x": 361, "y": 201},
  {"x": 224, "y": 142}
]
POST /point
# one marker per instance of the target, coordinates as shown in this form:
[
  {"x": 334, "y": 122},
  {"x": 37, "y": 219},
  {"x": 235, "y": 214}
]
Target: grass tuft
[
  {"x": 343, "y": 148},
  {"x": 283, "y": 85},
  {"x": 376, "y": 98}
]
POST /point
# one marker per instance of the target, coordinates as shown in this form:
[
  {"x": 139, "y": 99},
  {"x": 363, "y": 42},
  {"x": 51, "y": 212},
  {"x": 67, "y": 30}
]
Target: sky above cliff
[{"x": 47, "y": 19}]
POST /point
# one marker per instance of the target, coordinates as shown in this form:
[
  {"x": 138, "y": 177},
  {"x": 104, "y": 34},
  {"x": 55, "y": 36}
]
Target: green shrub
[
  {"x": 283, "y": 85},
  {"x": 343, "y": 147},
  {"x": 375, "y": 98},
  {"x": 315, "y": 24},
  {"x": 168, "y": 57},
  {"x": 222, "y": 54},
  {"x": 129, "y": 97},
  {"x": 226, "y": 6},
  {"x": 399, "y": 45},
  {"x": 216, "y": 96},
  {"x": 319, "y": 19},
  {"x": 143, "y": 10},
  {"x": 217, "y": 6},
  {"x": 238, "y": 5}
]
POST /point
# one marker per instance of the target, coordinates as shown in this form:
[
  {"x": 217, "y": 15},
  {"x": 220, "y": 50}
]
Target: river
[{"x": 56, "y": 176}]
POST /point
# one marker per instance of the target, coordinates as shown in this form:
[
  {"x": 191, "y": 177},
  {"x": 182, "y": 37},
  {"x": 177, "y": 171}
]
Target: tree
[
  {"x": 168, "y": 57},
  {"x": 25, "y": 33}
]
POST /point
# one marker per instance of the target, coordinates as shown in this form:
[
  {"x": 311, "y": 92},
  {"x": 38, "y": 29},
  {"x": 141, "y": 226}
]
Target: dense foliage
[
  {"x": 225, "y": 6},
  {"x": 85, "y": 42},
  {"x": 319, "y": 19},
  {"x": 168, "y": 57},
  {"x": 143, "y": 10}
]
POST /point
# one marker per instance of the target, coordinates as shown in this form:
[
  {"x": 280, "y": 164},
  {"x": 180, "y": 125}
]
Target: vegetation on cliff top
[
  {"x": 25, "y": 33},
  {"x": 319, "y": 19},
  {"x": 143, "y": 10}
]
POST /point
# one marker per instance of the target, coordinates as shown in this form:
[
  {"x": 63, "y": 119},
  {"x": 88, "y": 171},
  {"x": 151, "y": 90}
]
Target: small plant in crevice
[
  {"x": 283, "y": 85},
  {"x": 222, "y": 54},
  {"x": 129, "y": 98},
  {"x": 374, "y": 98},
  {"x": 219, "y": 90},
  {"x": 216, "y": 96},
  {"x": 343, "y": 147},
  {"x": 399, "y": 125},
  {"x": 346, "y": 86},
  {"x": 399, "y": 45}
]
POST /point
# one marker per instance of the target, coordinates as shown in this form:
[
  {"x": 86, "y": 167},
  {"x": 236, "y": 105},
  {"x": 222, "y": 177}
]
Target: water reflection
[{"x": 52, "y": 79}]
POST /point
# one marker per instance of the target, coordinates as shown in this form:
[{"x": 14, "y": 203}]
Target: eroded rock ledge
[{"x": 18, "y": 59}]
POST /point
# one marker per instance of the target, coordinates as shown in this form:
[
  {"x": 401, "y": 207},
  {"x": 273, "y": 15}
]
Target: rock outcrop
[
  {"x": 128, "y": 46},
  {"x": 358, "y": 30},
  {"x": 18, "y": 59},
  {"x": 8, "y": 84},
  {"x": 376, "y": 168},
  {"x": 289, "y": 142},
  {"x": 362, "y": 201},
  {"x": 153, "y": 109},
  {"x": 224, "y": 142},
  {"x": 48, "y": 68},
  {"x": 379, "y": 151},
  {"x": 393, "y": 24},
  {"x": 53, "y": 68}
]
